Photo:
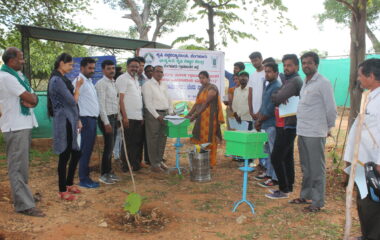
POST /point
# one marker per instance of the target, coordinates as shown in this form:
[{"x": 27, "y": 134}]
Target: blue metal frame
[{"x": 245, "y": 169}]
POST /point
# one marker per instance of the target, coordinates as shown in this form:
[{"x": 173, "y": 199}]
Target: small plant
[{"x": 133, "y": 203}]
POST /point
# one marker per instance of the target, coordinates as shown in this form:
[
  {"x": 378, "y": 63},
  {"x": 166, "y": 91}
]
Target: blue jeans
[
  {"x": 271, "y": 131},
  {"x": 88, "y": 135}
]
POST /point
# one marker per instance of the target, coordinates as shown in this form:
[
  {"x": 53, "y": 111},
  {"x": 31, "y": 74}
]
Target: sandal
[
  {"x": 299, "y": 201},
  {"x": 67, "y": 196},
  {"x": 33, "y": 212},
  {"x": 311, "y": 209},
  {"x": 73, "y": 189}
]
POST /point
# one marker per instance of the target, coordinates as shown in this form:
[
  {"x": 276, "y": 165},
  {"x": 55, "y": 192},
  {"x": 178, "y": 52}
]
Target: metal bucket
[{"x": 200, "y": 166}]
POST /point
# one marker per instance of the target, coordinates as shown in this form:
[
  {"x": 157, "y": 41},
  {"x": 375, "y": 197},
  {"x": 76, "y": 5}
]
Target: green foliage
[
  {"x": 223, "y": 17},
  {"x": 133, "y": 203},
  {"x": 163, "y": 14},
  {"x": 338, "y": 12},
  {"x": 43, "y": 13},
  {"x": 341, "y": 14}
]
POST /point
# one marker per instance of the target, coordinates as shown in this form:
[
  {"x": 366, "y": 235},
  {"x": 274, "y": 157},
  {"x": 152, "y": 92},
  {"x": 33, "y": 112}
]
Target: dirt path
[{"x": 194, "y": 210}]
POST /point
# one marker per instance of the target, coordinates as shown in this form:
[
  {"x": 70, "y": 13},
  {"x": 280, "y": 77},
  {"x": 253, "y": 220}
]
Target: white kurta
[{"x": 369, "y": 149}]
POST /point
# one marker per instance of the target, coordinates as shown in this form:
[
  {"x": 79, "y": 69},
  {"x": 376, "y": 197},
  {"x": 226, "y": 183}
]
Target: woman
[
  {"x": 231, "y": 90},
  {"x": 208, "y": 114},
  {"x": 62, "y": 106}
]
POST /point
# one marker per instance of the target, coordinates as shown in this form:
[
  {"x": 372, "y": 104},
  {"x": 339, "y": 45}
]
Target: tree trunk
[
  {"x": 211, "y": 26},
  {"x": 375, "y": 42},
  {"x": 140, "y": 20},
  {"x": 357, "y": 54}
]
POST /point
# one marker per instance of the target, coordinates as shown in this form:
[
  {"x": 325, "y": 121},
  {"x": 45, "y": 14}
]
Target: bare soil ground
[{"x": 188, "y": 210}]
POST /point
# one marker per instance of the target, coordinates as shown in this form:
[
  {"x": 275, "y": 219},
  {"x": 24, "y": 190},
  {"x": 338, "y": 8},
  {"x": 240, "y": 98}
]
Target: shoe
[
  {"x": 262, "y": 176},
  {"x": 268, "y": 183},
  {"x": 277, "y": 195},
  {"x": 272, "y": 190},
  {"x": 33, "y": 212},
  {"x": 89, "y": 184},
  {"x": 164, "y": 166},
  {"x": 114, "y": 177},
  {"x": 157, "y": 170},
  {"x": 67, "y": 196},
  {"x": 144, "y": 165},
  {"x": 105, "y": 178}
]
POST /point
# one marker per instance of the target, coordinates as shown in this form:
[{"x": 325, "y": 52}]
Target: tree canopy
[
  {"x": 163, "y": 14},
  {"x": 55, "y": 14},
  {"x": 338, "y": 12}
]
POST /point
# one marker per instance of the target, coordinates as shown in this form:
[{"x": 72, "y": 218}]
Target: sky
[{"x": 333, "y": 38}]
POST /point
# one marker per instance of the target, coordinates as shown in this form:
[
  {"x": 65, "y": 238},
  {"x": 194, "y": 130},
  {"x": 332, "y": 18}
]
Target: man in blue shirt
[{"x": 266, "y": 119}]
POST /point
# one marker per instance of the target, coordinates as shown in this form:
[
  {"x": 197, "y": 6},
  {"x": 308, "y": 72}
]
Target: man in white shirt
[
  {"x": 17, "y": 121},
  {"x": 256, "y": 82},
  {"x": 88, "y": 112},
  {"x": 369, "y": 148},
  {"x": 131, "y": 108},
  {"x": 142, "y": 80},
  {"x": 109, "y": 108},
  {"x": 157, "y": 106}
]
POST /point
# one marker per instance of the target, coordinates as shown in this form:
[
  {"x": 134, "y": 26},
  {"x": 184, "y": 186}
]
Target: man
[
  {"x": 148, "y": 71},
  {"x": 316, "y": 114},
  {"x": 142, "y": 80},
  {"x": 140, "y": 72},
  {"x": 282, "y": 156},
  {"x": 157, "y": 106},
  {"x": 239, "y": 104},
  {"x": 109, "y": 109},
  {"x": 256, "y": 82},
  {"x": 369, "y": 148},
  {"x": 17, "y": 121},
  {"x": 238, "y": 67},
  {"x": 131, "y": 108},
  {"x": 266, "y": 119},
  {"x": 88, "y": 112}
]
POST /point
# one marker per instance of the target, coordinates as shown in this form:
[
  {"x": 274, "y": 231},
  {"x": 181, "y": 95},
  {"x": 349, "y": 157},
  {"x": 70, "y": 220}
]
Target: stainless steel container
[{"x": 200, "y": 166}]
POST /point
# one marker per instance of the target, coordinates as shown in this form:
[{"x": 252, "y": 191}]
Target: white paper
[
  {"x": 290, "y": 108},
  {"x": 359, "y": 180},
  {"x": 176, "y": 120},
  {"x": 243, "y": 126},
  {"x": 78, "y": 139}
]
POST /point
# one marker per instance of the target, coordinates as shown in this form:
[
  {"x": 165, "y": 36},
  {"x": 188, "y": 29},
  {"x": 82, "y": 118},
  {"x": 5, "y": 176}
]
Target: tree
[
  {"x": 223, "y": 12},
  {"x": 44, "y": 13},
  {"x": 357, "y": 9},
  {"x": 337, "y": 12},
  {"x": 341, "y": 14},
  {"x": 165, "y": 14}
]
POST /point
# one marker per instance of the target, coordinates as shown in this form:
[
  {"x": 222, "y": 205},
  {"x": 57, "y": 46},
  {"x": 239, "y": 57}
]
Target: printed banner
[
  {"x": 181, "y": 69},
  {"x": 98, "y": 67}
]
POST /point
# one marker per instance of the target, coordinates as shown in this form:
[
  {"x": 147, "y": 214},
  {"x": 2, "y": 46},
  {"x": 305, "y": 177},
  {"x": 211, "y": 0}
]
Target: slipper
[
  {"x": 311, "y": 209},
  {"x": 299, "y": 201},
  {"x": 67, "y": 196},
  {"x": 73, "y": 189},
  {"x": 33, "y": 212}
]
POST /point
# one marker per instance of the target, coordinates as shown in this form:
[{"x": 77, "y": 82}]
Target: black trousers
[
  {"x": 146, "y": 152},
  {"x": 69, "y": 154},
  {"x": 282, "y": 158},
  {"x": 134, "y": 139},
  {"x": 369, "y": 216},
  {"x": 109, "y": 143}
]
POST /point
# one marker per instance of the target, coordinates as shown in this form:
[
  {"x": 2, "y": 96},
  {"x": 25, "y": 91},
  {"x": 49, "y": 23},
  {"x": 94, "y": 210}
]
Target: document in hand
[
  {"x": 243, "y": 126},
  {"x": 290, "y": 108}
]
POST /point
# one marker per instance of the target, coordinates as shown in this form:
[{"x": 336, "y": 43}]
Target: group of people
[
  {"x": 256, "y": 97},
  {"x": 137, "y": 102}
]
